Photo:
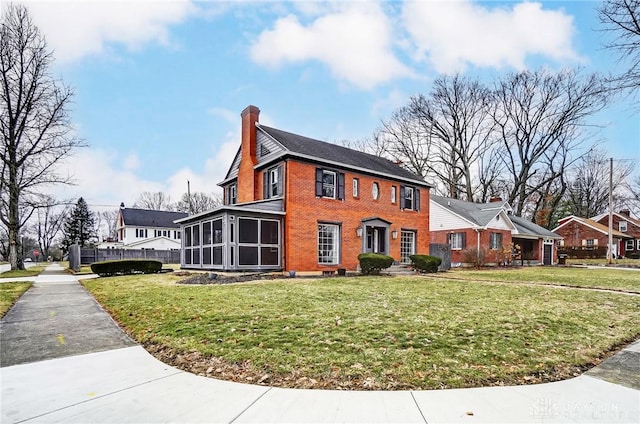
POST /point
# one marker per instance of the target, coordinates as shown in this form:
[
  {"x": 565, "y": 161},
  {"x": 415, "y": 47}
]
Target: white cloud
[
  {"x": 353, "y": 39},
  {"x": 75, "y": 29},
  {"x": 131, "y": 162},
  {"x": 454, "y": 34}
]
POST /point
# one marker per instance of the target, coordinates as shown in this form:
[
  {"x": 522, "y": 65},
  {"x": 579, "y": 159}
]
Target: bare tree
[
  {"x": 404, "y": 139},
  {"x": 621, "y": 18},
  {"x": 158, "y": 201},
  {"x": 199, "y": 202},
  {"x": 34, "y": 122},
  {"x": 458, "y": 115},
  {"x": 49, "y": 221},
  {"x": 588, "y": 190},
  {"x": 540, "y": 119},
  {"x": 110, "y": 220}
]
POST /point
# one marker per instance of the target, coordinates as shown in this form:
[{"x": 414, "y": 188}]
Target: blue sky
[{"x": 160, "y": 84}]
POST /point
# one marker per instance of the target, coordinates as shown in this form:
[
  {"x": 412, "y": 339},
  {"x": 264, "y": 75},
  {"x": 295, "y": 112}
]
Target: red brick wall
[
  {"x": 632, "y": 231},
  {"x": 573, "y": 234},
  {"x": 304, "y": 211},
  {"x": 248, "y": 187},
  {"x": 492, "y": 256}
]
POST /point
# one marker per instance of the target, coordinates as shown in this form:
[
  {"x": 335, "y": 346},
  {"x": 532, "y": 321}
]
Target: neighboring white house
[{"x": 147, "y": 229}]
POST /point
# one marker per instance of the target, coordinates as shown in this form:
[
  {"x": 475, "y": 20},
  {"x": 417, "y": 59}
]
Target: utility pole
[{"x": 610, "y": 250}]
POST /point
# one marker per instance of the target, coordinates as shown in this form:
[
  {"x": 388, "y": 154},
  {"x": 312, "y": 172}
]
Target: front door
[
  {"x": 546, "y": 258},
  {"x": 376, "y": 240}
]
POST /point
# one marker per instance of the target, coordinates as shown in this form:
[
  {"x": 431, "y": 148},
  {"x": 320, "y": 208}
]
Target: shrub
[
  {"x": 127, "y": 266},
  {"x": 475, "y": 257},
  {"x": 635, "y": 255},
  {"x": 425, "y": 263},
  {"x": 373, "y": 263}
]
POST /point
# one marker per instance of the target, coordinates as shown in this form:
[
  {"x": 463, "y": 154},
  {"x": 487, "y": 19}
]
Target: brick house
[
  {"x": 490, "y": 228},
  {"x": 296, "y": 203},
  {"x": 625, "y": 224},
  {"x": 588, "y": 236}
]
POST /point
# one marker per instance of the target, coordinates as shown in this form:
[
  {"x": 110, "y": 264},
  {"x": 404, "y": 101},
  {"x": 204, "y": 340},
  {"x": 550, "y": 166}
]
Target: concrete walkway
[{"x": 120, "y": 382}]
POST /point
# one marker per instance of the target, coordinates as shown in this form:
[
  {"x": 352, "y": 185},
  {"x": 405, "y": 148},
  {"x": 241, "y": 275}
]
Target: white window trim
[
  {"x": 629, "y": 245},
  {"x": 622, "y": 228},
  {"x": 335, "y": 183},
  {"x": 394, "y": 195},
  {"x": 411, "y": 197},
  {"x": 356, "y": 187},
  {"x": 456, "y": 239},
  {"x": 336, "y": 243}
]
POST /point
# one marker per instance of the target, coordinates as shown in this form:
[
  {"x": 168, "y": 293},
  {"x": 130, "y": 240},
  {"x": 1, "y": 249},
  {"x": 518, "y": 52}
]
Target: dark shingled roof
[
  {"x": 151, "y": 218},
  {"x": 328, "y": 152}
]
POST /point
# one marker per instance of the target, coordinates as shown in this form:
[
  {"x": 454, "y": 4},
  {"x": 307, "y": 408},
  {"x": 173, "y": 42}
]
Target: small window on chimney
[{"x": 622, "y": 226}]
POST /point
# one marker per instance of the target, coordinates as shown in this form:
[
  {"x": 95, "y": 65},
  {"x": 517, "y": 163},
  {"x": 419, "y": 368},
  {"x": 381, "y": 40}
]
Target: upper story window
[
  {"x": 622, "y": 226},
  {"x": 272, "y": 182},
  {"x": 232, "y": 194},
  {"x": 409, "y": 198},
  {"x": 141, "y": 233},
  {"x": 375, "y": 191},
  {"x": 356, "y": 187},
  {"x": 329, "y": 184}
]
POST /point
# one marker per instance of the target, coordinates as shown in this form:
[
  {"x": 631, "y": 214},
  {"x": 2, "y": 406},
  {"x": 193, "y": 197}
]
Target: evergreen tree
[{"x": 79, "y": 226}]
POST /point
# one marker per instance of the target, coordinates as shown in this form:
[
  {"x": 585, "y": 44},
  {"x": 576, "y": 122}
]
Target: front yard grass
[
  {"x": 29, "y": 272},
  {"x": 606, "y": 278},
  {"x": 9, "y": 294},
  {"x": 371, "y": 332}
]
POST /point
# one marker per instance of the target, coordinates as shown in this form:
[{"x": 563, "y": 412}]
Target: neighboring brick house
[
  {"x": 296, "y": 203},
  {"x": 625, "y": 224},
  {"x": 490, "y": 228},
  {"x": 147, "y": 229},
  {"x": 584, "y": 235}
]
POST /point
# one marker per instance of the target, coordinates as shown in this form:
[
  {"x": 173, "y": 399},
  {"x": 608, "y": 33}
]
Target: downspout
[{"x": 477, "y": 230}]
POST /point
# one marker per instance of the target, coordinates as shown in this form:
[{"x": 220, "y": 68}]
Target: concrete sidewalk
[{"x": 127, "y": 384}]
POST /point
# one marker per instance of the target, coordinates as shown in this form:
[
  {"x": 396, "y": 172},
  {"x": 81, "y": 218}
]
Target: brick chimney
[
  {"x": 247, "y": 178},
  {"x": 626, "y": 212},
  {"x": 494, "y": 199}
]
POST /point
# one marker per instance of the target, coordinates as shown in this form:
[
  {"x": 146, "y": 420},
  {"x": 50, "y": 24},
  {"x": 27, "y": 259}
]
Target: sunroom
[{"x": 232, "y": 238}]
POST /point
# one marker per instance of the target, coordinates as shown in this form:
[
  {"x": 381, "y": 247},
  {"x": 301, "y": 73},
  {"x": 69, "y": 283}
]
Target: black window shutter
[
  {"x": 401, "y": 197},
  {"x": 319, "y": 182},
  {"x": 341, "y": 186},
  {"x": 417, "y": 199},
  {"x": 265, "y": 185},
  {"x": 464, "y": 240}
]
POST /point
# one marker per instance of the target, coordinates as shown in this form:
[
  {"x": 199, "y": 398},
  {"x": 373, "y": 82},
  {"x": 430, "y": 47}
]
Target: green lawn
[
  {"x": 606, "y": 278},
  {"x": 30, "y": 272},
  {"x": 9, "y": 293},
  {"x": 373, "y": 332}
]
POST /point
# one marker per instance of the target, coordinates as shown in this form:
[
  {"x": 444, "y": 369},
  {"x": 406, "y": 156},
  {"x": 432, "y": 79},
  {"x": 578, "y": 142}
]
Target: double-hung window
[
  {"x": 622, "y": 226},
  {"x": 328, "y": 244},
  {"x": 409, "y": 198},
  {"x": 329, "y": 184},
  {"x": 495, "y": 241},
  {"x": 356, "y": 187},
  {"x": 629, "y": 245},
  {"x": 273, "y": 182},
  {"x": 457, "y": 241},
  {"x": 232, "y": 194}
]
